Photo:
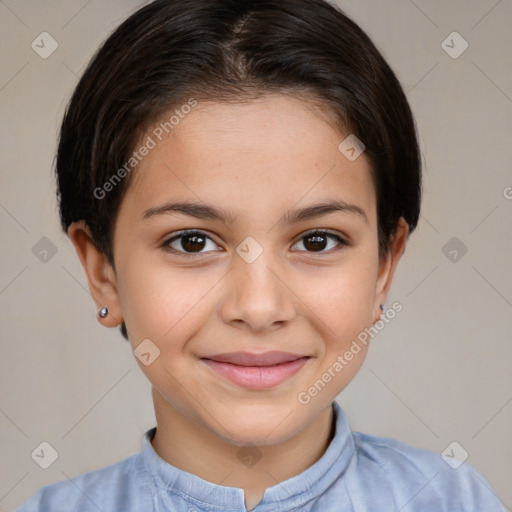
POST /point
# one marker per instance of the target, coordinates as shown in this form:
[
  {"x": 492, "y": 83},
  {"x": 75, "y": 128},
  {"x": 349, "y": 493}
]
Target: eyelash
[{"x": 314, "y": 232}]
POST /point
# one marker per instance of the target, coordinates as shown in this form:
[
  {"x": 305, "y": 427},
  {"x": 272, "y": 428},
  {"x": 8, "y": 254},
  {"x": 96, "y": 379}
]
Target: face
[{"x": 244, "y": 271}]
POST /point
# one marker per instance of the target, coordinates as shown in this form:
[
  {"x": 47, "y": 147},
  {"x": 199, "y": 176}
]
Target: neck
[{"x": 196, "y": 449}]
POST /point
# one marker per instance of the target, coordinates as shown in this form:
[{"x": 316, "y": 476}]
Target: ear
[
  {"x": 99, "y": 272},
  {"x": 387, "y": 266}
]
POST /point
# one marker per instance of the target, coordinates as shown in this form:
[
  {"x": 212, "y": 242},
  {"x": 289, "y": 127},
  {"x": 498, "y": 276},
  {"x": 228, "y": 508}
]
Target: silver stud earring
[
  {"x": 382, "y": 308},
  {"x": 103, "y": 312}
]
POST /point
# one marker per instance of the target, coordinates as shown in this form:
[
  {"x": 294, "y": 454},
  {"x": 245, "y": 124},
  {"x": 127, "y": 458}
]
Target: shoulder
[
  {"x": 102, "y": 489},
  {"x": 419, "y": 478},
  {"x": 393, "y": 455}
]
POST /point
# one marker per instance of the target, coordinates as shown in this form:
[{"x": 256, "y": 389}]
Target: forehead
[{"x": 258, "y": 156}]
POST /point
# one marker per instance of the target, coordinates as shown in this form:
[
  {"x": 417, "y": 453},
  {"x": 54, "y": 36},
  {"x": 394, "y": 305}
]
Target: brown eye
[
  {"x": 193, "y": 243},
  {"x": 318, "y": 241},
  {"x": 189, "y": 242},
  {"x": 315, "y": 242}
]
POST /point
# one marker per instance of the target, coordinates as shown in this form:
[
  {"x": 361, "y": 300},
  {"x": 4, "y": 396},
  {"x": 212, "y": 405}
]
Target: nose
[{"x": 257, "y": 296}]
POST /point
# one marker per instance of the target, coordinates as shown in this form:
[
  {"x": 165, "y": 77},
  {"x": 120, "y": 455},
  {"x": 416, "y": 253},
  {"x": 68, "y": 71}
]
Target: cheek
[
  {"x": 343, "y": 294},
  {"x": 345, "y": 310},
  {"x": 341, "y": 304},
  {"x": 161, "y": 303}
]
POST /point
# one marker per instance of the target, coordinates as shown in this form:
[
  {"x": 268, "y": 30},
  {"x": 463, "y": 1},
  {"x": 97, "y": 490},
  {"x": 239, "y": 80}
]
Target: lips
[
  {"x": 251, "y": 359},
  {"x": 256, "y": 371}
]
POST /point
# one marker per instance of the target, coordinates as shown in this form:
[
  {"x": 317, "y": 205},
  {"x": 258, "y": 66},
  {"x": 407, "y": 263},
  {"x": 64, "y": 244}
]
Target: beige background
[{"x": 439, "y": 372}]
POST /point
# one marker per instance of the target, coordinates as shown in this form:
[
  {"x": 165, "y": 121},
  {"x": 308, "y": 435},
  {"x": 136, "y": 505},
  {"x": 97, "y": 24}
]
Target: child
[{"x": 239, "y": 179}]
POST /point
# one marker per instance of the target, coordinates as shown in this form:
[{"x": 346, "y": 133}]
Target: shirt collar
[{"x": 286, "y": 495}]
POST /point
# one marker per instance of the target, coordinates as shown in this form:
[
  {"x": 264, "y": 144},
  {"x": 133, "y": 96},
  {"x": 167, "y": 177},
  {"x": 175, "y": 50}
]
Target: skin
[{"x": 256, "y": 159}]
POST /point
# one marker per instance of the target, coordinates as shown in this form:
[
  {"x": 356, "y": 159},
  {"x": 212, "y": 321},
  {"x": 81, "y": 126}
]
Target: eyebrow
[{"x": 204, "y": 211}]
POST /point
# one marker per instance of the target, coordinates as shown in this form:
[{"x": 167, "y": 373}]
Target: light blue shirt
[{"x": 357, "y": 473}]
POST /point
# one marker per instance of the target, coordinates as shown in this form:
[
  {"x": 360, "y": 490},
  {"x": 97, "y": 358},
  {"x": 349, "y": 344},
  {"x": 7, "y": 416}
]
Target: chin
[{"x": 259, "y": 426}]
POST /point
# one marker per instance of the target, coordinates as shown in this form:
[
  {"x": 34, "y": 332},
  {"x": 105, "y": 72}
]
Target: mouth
[
  {"x": 269, "y": 358},
  {"x": 256, "y": 371}
]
